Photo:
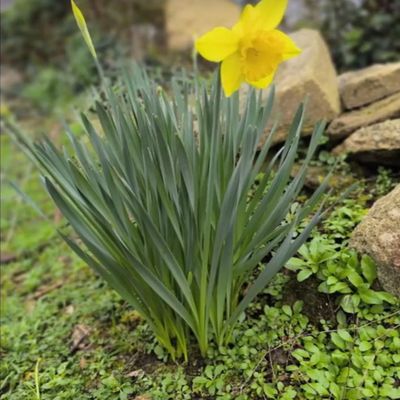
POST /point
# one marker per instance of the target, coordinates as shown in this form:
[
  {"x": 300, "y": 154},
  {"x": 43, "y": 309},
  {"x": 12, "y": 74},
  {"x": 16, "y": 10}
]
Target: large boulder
[
  {"x": 310, "y": 75},
  {"x": 379, "y": 144},
  {"x": 190, "y": 18},
  {"x": 349, "y": 122},
  {"x": 378, "y": 235},
  {"x": 358, "y": 88}
]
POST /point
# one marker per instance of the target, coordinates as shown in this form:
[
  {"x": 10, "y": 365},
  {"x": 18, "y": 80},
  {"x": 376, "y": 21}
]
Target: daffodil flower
[{"x": 252, "y": 50}]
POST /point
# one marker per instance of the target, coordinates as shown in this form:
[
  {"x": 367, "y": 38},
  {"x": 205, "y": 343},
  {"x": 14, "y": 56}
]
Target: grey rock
[
  {"x": 310, "y": 75},
  {"x": 358, "y": 88},
  {"x": 349, "y": 122},
  {"x": 379, "y": 144},
  {"x": 378, "y": 235}
]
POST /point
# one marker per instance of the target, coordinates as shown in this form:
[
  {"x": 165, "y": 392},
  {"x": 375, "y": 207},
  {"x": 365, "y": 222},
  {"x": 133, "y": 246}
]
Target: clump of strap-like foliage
[{"x": 163, "y": 200}]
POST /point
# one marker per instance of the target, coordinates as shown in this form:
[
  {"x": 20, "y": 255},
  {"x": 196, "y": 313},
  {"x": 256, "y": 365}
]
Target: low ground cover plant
[{"x": 291, "y": 343}]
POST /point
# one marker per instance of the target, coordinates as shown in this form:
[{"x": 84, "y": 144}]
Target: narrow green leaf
[{"x": 80, "y": 20}]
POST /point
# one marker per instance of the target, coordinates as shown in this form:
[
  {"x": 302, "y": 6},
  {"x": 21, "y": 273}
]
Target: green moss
[{"x": 284, "y": 347}]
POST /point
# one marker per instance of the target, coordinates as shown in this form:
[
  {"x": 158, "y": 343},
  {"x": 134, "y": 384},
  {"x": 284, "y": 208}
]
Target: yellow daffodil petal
[
  {"x": 231, "y": 74},
  {"x": 270, "y": 13},
  {"x": 264, "y": 82},
  {"x": 253, "y": 49},
  {"x": 289, "y": 47},
  {"x": 217, "y": 44},
  {"x": 247, "y": 20}
]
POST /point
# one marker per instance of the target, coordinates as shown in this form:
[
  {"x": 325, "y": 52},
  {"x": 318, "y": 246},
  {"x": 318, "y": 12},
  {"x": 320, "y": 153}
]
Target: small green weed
[
  {"x": 344, "y": 219},
  {"x": 341, "y": 271},
  {"x": 385, "y": 182},
  {"x": 352, "y": 362}
]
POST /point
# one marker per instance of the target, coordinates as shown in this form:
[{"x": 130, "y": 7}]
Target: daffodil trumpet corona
[{"x": 253, "y": 49}]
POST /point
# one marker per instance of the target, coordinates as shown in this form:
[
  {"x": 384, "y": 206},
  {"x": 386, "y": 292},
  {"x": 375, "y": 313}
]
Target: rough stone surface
[
  {"x": 311, "y": 75},
  {"x": 379, "y": 111},
  {"x": 188, "y": 18},
  {"x": 358, "y": 88},
  {"x": 379, "y": 143},
  {"x": 378, "y": 235}
]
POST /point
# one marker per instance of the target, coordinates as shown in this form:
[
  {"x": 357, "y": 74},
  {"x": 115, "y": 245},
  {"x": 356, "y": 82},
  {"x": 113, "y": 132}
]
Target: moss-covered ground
[{"x": 66, "y": 335}]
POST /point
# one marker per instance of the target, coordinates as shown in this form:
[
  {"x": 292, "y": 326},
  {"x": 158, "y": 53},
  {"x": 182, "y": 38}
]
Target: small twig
[
  {"x": 45, "y": 290},
  {"x": 270, "y": 360}
]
